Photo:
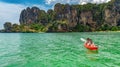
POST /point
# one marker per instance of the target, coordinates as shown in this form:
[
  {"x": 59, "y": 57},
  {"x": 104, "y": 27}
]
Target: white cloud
[
  {"x": 100, "y": 1},
  {"x": 49, "y": 1},
  {"x": 52, "y": 2},
  {"x": 41, "y": 7},
  {"x": 83, "y": 3},
  {"x": 11, "y": 12}
]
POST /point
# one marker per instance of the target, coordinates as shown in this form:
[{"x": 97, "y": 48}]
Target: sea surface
[{"x": 59, "y": 50}]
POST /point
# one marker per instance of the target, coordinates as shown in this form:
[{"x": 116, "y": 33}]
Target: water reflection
[
  {"x": 92, "y": 54},
  {"x": 92, "y": 51}
]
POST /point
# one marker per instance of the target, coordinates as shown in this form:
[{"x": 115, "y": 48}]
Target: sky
[{"x": 10, "y": 9}]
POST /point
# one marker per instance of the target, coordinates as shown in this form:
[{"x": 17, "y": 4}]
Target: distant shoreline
[
  {"x": 58, "y": 32},
  {"x": 108, "y": 31}
]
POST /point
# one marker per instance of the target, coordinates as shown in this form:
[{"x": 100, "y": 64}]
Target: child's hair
[{"x": 88, "y": 38}]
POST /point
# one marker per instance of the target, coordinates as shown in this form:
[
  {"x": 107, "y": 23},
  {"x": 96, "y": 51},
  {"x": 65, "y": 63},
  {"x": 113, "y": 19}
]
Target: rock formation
[
  {"x": 29, "y": 15},
  {"x": 66, "y": 17}
]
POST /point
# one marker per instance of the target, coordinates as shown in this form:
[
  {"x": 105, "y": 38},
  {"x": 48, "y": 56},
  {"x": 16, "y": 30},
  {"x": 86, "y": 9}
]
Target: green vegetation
[{"x": 8, "y": 27}]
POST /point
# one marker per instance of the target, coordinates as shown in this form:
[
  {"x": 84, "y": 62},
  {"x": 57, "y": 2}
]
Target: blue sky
[{"x": 10, "y": 9}]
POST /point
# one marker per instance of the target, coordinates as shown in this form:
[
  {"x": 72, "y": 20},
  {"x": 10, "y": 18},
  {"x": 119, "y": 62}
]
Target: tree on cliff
[
  {"x": 15, "y": 28},
  {"x": 8, "y": 27}
]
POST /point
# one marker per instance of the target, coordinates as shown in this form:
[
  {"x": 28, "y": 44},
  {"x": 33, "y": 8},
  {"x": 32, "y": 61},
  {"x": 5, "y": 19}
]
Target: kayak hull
[{"x": 91, "y": 47}]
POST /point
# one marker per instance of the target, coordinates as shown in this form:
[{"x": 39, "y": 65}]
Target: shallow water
[{"x": 58, "y": 50}]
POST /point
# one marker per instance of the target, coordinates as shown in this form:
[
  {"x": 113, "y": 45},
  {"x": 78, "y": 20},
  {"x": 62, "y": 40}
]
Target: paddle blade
[{"x": 82, "y": 39}]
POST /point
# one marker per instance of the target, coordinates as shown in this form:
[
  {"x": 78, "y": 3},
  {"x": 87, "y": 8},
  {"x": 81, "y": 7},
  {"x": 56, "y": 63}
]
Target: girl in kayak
[
  {"x": 90, "y": 45},
  {"x": 89, "y": 41}
]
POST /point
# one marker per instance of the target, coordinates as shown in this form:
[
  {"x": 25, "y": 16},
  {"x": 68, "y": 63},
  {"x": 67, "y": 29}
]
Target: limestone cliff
[
  {"x": 29, "y": 15},
  {"x": 67, "y": 17}
]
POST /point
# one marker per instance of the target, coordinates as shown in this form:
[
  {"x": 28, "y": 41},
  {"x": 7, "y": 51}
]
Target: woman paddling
[
  {"x": 90, "y": 45},
  {"x": 89, "y": 42}
]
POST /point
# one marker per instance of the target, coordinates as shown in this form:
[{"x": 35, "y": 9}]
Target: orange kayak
[{"x": 91, "y": 47}]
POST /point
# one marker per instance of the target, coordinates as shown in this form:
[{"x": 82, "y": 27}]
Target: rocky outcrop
[
  {"x": 87, "y": 18},
  {"x": 29, "y": 15},
  {"x": 112, "y": 15},
  {"x": 66, "y": 12}
]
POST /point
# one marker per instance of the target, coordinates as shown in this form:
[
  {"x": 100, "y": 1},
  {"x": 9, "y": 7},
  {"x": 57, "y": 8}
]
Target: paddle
[{"x": 82, "y": 39}]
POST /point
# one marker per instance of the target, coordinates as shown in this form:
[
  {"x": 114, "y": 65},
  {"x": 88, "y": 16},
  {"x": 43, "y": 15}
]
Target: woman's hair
[{"x": 90, "y": 40}]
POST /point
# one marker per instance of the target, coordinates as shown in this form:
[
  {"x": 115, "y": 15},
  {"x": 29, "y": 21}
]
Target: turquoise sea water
[{"x": 58, "y": 50}]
